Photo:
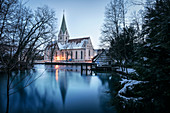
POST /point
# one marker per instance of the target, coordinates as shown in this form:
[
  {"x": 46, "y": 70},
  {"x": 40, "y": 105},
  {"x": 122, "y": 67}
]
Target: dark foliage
[
  {"x": 150, "y": 57},
  {"x": 154, "y": 54}
]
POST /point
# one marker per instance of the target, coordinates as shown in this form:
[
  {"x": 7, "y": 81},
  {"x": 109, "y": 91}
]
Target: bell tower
[{"x": 63, "y": 35}]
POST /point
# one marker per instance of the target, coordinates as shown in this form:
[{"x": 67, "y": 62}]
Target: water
[{"x": 59, "y": 89}]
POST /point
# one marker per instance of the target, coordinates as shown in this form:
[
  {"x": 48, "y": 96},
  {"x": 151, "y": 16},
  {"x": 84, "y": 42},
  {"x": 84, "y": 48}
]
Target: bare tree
[
  {"x": 50, "y": 49},
  {"x": 22, "y": 34},
  {"x": 115, "y": 23},
  {"x": 111, "y": 27}
]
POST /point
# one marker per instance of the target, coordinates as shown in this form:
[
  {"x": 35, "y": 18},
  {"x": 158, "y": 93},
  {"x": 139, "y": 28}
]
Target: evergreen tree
[
  {"x": 154, "y": 55},
  {"x": 122, "y": 48}
]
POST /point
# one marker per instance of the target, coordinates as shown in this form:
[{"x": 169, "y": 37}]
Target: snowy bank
[
  {"x": 130, "y": 85},
  {"x": 130, "y": 70}
]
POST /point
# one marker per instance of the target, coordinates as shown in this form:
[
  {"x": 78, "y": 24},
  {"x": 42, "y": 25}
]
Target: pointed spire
[
  {"x": 63, "y": 35},
  {"x": 63, "y": 25}
]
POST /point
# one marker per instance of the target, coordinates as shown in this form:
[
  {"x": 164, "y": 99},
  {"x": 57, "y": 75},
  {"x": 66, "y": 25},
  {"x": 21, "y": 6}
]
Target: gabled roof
[
  {"x": 99, "y": 55},
  {"x": 77, "y": 43}
]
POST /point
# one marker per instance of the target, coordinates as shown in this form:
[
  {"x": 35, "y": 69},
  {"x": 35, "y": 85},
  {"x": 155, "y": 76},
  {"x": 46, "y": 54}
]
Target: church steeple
[
  {"x": 63, "y": 25},
  {"x": 63, "y": 35}
]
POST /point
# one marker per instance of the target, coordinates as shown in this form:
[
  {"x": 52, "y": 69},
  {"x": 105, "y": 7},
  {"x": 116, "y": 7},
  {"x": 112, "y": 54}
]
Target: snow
[
  {"x": 130, "y": 98},
  {"x": 149, "y": 44},
  {"x": 157, "y": 46},
  {"x": 129, "y": 84},
  {"x": 73, "y": 45},
  {"x": 152, "y": 18},
  {"x": 130, "y": 70},
  {"x": 145, "y": 58}
]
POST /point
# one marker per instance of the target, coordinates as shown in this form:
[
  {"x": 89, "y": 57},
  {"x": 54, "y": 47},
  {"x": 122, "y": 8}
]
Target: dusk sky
[{"x": 83, "y": 17}]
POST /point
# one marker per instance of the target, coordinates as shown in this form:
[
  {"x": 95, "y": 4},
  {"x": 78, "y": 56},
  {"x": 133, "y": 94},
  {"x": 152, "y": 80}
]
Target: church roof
[
  {"x": 77, "y": 43},
  {"x": 77, "y": 40},
  {"x": 63, "y": 25}
]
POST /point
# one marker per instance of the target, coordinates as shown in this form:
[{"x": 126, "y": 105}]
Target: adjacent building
[{"x": 102, "y": 58}]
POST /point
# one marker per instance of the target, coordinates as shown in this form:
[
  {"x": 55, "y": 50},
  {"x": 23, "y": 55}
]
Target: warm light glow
[
  {"x": 91, "y": 57},
  {"x": 63, "y": 58},
  {"x": 58, "y": 58},
  {"x": 56, "y": 66},
  {"x": 56, "y": 74}
]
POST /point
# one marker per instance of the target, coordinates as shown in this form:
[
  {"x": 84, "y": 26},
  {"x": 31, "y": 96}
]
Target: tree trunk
[{"x": 7, "y": 107}]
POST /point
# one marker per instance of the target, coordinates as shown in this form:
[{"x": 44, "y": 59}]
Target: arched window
[
  {"x": 62, "y": 54},
  {"x": 89, "y": 52},
  {"x": 76, "y": 54},
  {"x": 66, "y": 55},
  {"x": 81, "y": 54},
  {"x": 71, "y": 55}
]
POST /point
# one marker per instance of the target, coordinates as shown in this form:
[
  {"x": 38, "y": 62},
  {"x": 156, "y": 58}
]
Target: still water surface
[{"x": 59, "y": 89}]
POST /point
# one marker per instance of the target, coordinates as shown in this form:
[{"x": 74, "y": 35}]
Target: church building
[{"x": 66, "y": 49}]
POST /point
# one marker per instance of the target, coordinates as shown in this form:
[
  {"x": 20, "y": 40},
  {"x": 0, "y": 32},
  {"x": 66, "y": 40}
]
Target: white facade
[{"x": 73, "y": 50}]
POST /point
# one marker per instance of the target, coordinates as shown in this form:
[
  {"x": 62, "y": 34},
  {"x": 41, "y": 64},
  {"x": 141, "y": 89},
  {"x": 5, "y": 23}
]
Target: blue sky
[{"x": 83, "y": 17}]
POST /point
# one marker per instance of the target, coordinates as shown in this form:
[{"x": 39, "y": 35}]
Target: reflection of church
[
  {"x": 64, "y": 76},
  {"x": 75, "y": 50},
  {"x": 63, "y": 86},
  {"x": 62, "y": 83}
]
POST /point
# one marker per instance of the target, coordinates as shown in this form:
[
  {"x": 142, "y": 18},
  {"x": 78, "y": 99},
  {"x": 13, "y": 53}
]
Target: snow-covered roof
[
  {"x": 104, "y": 51},
  {"x": 77, "y": 43}
]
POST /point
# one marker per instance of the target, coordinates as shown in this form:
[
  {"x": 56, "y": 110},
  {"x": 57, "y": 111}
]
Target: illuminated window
[{"x": 62, "y": 54}]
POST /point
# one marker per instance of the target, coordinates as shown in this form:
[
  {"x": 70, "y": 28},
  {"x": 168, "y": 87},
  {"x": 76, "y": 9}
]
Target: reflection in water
[
  {"x": 56, "y": 66},
  {"x": 61, "y": 89},
  {"x": 63, "y": 86},
  {"x": 56, "y": 75}
]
